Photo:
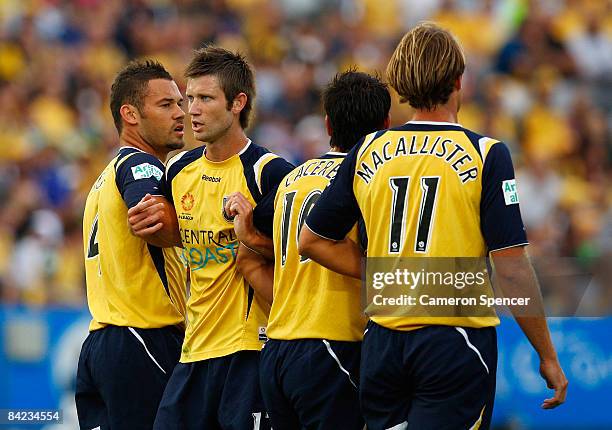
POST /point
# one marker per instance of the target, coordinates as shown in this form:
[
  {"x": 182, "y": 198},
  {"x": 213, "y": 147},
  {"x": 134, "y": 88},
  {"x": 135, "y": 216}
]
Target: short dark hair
[
  {"x": 356, "y": 104},
  {"x": 233, "y": 72},
  {"x": 130, "y": 86}
]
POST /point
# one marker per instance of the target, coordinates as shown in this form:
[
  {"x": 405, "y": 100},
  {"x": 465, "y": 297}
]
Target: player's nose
[
  {"x": 179, "y": 113},
  {"x": 194, "y": 108}
]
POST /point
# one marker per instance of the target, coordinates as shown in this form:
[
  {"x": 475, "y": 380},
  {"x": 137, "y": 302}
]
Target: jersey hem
[
  {"x": 358, "y": 338},
  {"x": 416, "y": 324},
  {"x": 205, "y": 355},
  {"x": 96, "y": 325}
]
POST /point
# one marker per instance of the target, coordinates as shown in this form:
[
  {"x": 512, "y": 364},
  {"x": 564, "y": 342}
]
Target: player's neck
[
  {"x": 133, "y": 139},
  {"x": 439, "y": 114},
  {"x": 227, "y": 146}
]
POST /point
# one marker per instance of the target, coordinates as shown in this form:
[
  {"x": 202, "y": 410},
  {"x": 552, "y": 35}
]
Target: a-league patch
[
  {"x": 146, "y": 170},
  {"x": 225, "y": 215},
  {"x": 263, "y": 337},
  {"x": 509, "y": 190}
]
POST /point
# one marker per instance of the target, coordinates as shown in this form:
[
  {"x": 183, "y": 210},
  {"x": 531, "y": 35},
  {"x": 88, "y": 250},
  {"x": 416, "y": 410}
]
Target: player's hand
[
  {"x": 146, "y": 217},
  {"x": 555, "y": 379},
  {"x": 240, "y": 208}
]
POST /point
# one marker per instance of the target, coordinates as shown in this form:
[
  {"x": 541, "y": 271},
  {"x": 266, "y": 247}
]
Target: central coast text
[{"x": 204, "y": 247}]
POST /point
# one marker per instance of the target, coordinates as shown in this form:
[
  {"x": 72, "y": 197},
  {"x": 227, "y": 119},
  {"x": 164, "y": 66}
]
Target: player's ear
[
  {"x": 328, "y": 126},
  {"x": 130, "y": 114},
  {"x": 239, "y": 103},
  {"x": 387, "y": 122},
  {"x": 458, "y": 83}
]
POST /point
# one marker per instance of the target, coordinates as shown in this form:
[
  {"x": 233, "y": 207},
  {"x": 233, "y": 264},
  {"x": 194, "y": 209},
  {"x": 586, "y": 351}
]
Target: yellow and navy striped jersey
[
  {"x": 425, "y": 189},
  {"x": 310, "y": 301},
  {"x": 223, "y": 313},
  {"x": 129, "y": 283}
]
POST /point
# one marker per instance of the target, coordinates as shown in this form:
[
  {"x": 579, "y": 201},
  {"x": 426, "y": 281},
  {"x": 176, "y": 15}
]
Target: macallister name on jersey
[{"x": 444, "y": 148}]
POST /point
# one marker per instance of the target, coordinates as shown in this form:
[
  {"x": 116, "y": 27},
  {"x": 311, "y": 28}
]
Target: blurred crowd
[{"x": 539, "y": 77}]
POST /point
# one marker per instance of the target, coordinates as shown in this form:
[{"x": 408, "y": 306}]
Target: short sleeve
[
  {"x": 337, "y": 211},
  {"x": 138, "y": 174},
  {"x": 273, "y": 173},
  {"x": 362, "y": 234},
  {"x": 500, "y": 215},
  {"x": 263, "y": 214},
  {"x": 165, "y": 187}
]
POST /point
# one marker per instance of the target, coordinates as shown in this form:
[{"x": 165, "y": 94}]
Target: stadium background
[{"x": 539, "y": 76}]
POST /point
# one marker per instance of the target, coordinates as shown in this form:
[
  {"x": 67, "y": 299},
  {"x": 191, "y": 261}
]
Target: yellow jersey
[
  {"x": 310, "y": 301},
  {"x": 223, "y": 313},
  {"x": 425, "y": 189},
  {"x": 129, "y": 283}
]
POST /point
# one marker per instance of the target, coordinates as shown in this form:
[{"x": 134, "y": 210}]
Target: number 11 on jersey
[{"x": 399, "y": 209}]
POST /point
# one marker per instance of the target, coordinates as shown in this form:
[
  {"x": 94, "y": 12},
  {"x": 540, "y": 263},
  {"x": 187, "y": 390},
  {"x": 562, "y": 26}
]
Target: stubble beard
[
  {"x": 213, "y": 138},
  {"x": 174, "y": 146}
]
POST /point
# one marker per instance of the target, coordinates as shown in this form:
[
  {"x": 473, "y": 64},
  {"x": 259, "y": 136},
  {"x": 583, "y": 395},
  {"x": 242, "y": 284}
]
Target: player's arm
[
  {"x": 138, "y": 178},
  {"x": 154, "y": 220},
  {"x": 503, "y": 230},
  {"x": 268, "y": 172},
  {"x": 515, "y": 276},
  {"x": 240, "y": 209},
  {"x": 335, "y": 213},
  {"x": 342, "y": 256},
  {"x": 257, "y": 270}
]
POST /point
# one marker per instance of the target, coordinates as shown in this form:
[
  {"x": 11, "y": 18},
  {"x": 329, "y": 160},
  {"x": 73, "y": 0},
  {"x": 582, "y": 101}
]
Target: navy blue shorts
[
  {"x": 433, "y": 378},
  {"x": 218, "y": 393},
  {"x": 311, "y": 384},
  {"x": 122, "y": 374}
]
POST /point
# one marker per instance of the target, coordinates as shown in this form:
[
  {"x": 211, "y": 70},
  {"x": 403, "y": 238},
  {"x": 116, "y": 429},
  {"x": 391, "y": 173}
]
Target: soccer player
[
  {"x": 216, "y": 383},
  {"x": 309, "y": 367},
  {"x": 133, "y": 288},
  {"x": 430, "y": 188}
]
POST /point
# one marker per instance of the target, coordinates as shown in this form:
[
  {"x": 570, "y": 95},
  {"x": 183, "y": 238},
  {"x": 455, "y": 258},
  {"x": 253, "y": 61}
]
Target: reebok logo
[{"x": 205, "y": 177}]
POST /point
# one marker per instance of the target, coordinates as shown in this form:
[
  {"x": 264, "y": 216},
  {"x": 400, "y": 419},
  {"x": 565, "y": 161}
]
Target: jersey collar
[{"x": 435, "y": 123}]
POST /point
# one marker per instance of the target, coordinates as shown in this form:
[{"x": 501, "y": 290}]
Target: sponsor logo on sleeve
[
  {"x": 509, "y": 190},
  {"x": 146, "y": 170}
]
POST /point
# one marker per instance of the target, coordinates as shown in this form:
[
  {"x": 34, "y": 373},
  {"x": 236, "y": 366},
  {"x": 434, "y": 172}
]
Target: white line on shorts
[
  {"x": 469, "y": 344},
  {"x": 335, "y": 357},
  {"x": 141, "y": 340}
]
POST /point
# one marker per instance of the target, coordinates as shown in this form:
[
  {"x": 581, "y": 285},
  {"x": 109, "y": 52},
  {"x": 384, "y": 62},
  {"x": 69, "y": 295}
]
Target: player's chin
[
  {"x": 202, "y": 137},
  {"x": 176, "y": 144}
]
